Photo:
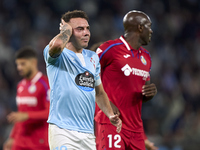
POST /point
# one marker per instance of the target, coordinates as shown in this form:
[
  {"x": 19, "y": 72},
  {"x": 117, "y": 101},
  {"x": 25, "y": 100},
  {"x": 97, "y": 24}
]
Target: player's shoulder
[
  {"x": 43, "y": 81},
  {"x": 90, "y": 53},
  {"x": 21, "y": 82},
  {"x": 110, "y": 44},
  {"x": 44, "y": 77},
  {"x": 145, "y": 51}
]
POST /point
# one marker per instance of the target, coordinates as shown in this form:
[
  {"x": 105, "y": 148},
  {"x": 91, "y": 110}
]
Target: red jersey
[
  {"x": 124, "y": 71},
  {"x": 33, "y": 98}
]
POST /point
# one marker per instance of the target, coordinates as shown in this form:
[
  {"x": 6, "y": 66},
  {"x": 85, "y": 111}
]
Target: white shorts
[{"x": 63, "y": 139}]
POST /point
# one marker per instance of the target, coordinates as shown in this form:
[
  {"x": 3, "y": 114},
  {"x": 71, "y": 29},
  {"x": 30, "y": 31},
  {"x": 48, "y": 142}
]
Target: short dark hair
[
  {"x": 74, "y": 14},
  {"x": 26, "y": 52}
]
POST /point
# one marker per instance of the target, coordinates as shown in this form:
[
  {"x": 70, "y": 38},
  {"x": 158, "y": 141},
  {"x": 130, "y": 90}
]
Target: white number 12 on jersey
[{"x": 117, "y": 139}]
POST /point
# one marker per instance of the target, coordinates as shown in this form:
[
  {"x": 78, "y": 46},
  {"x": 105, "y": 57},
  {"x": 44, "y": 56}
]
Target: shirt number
[{"x": 117, "y": 139}]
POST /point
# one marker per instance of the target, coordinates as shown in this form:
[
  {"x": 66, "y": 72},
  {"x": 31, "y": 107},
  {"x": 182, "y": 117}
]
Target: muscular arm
[
  {"x": 104, "y": 104},
  {"x": 149, "y": 90},
  {"x": 58, "y": 43},
  {"x": 103, "y": 101}
]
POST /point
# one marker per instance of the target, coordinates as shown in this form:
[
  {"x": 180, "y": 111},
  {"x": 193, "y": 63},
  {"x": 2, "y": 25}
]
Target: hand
[
  {"x": 116, "y": 121},
  {"x": 65, "y": 26},
  {"x": 149, "y": 90},
  {"x": 150, "y": 145},
  {"x": 14, "y": 117},
  {"x": 115, "y": 109},
  {"x": 8, "y": 144}
]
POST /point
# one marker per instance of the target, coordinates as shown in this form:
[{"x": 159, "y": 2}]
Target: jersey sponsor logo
[
  {"x": 98, "y": 51},
  {"x": 26, "y": 100},
  {"x": 127, "y": 55},
  {"x": 32, "y": 89},
  {"x": 138, "y": 72},
  {"x": 143, "y": 60},
  {"x": 85, "y": 81}
]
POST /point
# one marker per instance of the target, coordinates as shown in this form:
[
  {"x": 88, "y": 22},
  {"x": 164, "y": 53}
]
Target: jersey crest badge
[
  {"x": 32, "y": 89},
  {"x": 143, "y": 60}
]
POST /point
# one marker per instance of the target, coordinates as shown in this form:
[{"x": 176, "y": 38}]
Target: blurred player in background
[
  {"x": 125, "y": 74},
  {"x": 73, "y": 74},
  {"x": 30, "y": 131},
  {"x": 148, "y": 144}
]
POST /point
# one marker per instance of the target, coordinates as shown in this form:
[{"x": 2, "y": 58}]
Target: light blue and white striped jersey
[{"x": 72, "y": 97}]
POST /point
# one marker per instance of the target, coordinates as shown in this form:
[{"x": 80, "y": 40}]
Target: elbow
[{"x": 55, "y": 48}]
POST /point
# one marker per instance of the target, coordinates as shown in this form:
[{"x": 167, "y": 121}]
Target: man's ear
[
  {"x": 34, "y": 61},
  {"x": 140, "y": 28}
]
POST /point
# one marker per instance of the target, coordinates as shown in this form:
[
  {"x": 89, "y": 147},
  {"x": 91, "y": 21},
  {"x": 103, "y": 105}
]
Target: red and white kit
[
  {"x": 33, "y": 98},
  {"x": 124, "y": 71}
]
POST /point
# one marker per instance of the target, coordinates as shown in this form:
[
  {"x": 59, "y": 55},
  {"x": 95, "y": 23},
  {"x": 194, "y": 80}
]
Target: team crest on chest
[
  {"x": 32, "y": 89},
  {"x": 143, "y": 60}
]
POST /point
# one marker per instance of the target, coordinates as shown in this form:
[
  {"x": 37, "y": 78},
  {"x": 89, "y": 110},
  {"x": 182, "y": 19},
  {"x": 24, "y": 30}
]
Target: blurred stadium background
[{"x": 172, "y": 118}]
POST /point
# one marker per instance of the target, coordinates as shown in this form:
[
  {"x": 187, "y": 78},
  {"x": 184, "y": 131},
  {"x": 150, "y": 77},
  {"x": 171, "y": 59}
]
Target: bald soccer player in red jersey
[{"x": 125, "y": 74}]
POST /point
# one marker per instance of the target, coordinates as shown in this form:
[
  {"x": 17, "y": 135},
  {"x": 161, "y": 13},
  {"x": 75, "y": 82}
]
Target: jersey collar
[
  {"x": 125, "y": 43},
  {"x": 36, "y": 77}
]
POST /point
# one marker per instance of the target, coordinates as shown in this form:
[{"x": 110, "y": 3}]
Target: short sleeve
[
  {"x": 98, "y": 69},
  {"x": 148, "y": 78},
  {"x": 47, "y": 57}
]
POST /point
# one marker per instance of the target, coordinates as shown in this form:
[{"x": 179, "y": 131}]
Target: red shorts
[
  {"x": 108, "y": 139},
  {"x": 15, "y": 147}
]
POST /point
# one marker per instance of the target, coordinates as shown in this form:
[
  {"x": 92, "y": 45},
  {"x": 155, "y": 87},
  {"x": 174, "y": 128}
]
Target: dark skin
[
  {"x": 137, "y": 26},
  {"x": 135, "y": 35}
]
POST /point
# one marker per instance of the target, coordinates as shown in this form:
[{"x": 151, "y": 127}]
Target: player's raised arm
[{"x": 58, "y": 43}]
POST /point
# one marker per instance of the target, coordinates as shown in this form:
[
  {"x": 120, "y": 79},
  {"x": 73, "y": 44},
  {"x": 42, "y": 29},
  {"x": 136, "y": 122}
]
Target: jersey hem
[{"x": 73, "y": 128}]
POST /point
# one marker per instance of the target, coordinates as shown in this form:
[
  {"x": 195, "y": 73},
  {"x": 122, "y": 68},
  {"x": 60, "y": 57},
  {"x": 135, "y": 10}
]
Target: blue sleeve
[
  {"x": 47, "y": 57},
  {"x": 98, "y": 69}
]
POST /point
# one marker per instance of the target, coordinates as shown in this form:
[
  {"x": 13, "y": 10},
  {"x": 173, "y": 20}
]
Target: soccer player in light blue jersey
[{"x": 73, "y": 74}]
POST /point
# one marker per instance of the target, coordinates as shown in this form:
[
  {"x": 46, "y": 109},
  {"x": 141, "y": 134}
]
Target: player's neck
[
  {"x": 32, "y": 75},
  {"x": 71, "y": 47},
  {"x": 133, "y": 41}
]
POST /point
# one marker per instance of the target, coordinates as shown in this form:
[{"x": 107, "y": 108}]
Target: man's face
[
  {"x": 24, "y": 66},
  {"x": 147, "y": 32},
  {"x": 80, "y": 32}
]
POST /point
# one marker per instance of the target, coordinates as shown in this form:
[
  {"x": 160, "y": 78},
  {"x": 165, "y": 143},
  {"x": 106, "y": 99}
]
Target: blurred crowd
[{"x": 172, "y": 118}]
